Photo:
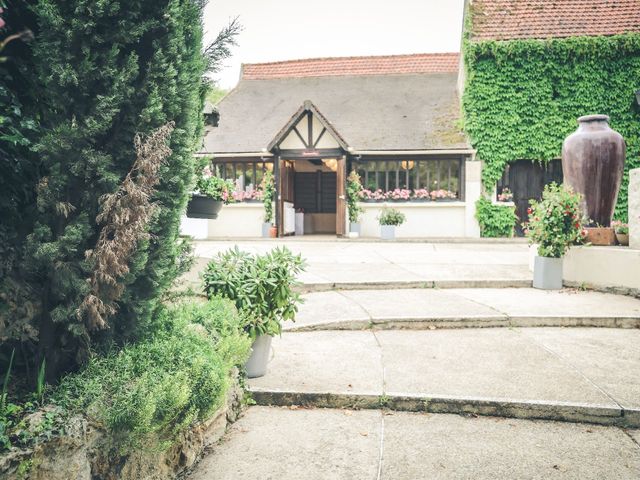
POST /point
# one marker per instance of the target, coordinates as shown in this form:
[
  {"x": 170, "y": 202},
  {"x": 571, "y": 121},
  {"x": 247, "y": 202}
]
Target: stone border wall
[{"x": 86, "y": 451}]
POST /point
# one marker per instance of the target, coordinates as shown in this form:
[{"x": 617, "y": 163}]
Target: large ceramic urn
[{"x": 593, "y": 164}]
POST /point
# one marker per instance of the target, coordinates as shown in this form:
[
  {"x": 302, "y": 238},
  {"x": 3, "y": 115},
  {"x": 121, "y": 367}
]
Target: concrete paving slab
[
  {"x": 347, "y": 362},
  {"x": 610, "y": 358},
  {"x": 489, "y": 363},
  {"x": 635, "y": 435},
  {"x": 418, "y": 304},
  {"x": 284, "y": 444},
  {"x": 530, "y": 302},
  {"x": 419, "y": 446},
  {"x": 352, "y": 262},
  {"x": 331, "y": 309}
]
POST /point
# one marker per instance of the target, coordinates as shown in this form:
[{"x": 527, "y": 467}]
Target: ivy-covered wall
[{"x": 522, "y": 97}]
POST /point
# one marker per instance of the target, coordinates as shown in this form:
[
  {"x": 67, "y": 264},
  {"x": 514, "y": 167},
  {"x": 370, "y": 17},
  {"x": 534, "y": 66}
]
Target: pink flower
[{"x": 2, "y": 22}]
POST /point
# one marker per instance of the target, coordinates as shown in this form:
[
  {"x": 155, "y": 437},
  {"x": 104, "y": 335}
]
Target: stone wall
[
  {"x": 87, "y": 452},
  {"x": 634, "y": 208}
]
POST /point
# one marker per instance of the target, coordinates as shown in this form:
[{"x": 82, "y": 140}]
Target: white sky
[{"x": 290, "y": 29}]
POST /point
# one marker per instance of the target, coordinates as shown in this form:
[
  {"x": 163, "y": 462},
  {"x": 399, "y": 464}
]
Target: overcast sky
[{"x": 290, "y": 29}]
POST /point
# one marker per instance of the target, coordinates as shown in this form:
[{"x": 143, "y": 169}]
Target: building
[
  {"x": 393, "y": 119},
  {"x": 531, "y": 68}
]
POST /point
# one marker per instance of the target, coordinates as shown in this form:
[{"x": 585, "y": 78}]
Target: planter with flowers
[
  {"x": 622, "y": 232},
  {"x": 405, "y": 195},
  {"x": 354, "y": 189},
  {"x": 210, "y": 194},
  {"x": 555, "y": 223},
  {"x": 389, "y": 219}
]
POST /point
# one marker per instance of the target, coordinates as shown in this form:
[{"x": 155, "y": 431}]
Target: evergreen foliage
[
  {"x": 495, "y": 220},
  {"x": 523, "y": 97},
  {"x": 100, "y": 73}
]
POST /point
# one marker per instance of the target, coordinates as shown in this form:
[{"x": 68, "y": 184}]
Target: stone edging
[{"x": 530, "y": 410}]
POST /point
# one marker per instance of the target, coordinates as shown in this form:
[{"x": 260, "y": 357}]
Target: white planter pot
[
  {"x": 387, "y": 232},
  {"x": 266, "y": 226},
  {"x": 299, "y": 228},
  {"x": 354, "y": 227},
  {"x": 547, "y": 273},
  {"x": 257, "y": 364}
]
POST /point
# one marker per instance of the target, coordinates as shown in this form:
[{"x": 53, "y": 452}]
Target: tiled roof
[
  {"x": 343, "y": 66},
  {"x": 517, "y": 19}
]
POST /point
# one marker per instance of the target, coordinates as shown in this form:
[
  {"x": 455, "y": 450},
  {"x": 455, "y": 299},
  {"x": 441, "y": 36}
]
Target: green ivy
[
  {"x": 522, "y": 97},
  {"x": 495, "y": 220}
]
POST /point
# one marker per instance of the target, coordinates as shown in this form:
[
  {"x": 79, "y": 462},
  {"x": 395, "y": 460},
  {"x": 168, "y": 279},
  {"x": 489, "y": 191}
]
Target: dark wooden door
[{"x": 527, "y": 180}]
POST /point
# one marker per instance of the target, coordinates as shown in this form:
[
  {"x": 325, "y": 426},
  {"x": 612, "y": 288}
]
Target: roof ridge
[{"x": 353, "y": 57}]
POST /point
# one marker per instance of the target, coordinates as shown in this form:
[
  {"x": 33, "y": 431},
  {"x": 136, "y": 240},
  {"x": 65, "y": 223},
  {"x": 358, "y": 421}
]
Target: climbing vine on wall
[{"x": 522, "y": 97}]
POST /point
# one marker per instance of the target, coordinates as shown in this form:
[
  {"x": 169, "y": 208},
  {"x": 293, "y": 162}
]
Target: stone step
[
  {"x": 577, "y": 374},
  {"x": 429, "y": 308},
  {"x": 327, "y": 286},
  {"x": 320, "y": 444}
]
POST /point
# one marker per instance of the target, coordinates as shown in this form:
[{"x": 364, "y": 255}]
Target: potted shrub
[
  {"x": 354, "y": 189},
  {"x": 389, "y": 219},
  {"x": 622, "y": 232},
  {"x": 555, "y": 223},
  {"x": 268, "y": 192},
  {"x": 210, "y": 194},
  {"x": 262, "y": 288}
]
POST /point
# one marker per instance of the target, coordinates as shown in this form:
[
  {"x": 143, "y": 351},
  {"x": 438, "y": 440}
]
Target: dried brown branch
[{"x": 125, "y": 216}]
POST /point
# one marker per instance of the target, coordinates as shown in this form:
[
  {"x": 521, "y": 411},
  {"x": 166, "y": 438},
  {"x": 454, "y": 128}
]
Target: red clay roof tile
[
  {"x": 518, "y": 19},
  {"x": 343, "y": 66}
]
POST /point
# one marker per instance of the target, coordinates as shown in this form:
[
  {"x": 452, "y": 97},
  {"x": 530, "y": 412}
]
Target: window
[
  {"x": 432, "y": 175},
  {"x": 246, "y": 175}
]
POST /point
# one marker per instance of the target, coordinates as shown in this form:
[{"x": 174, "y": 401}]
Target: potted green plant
[
  {"x": 555, "y": 223},
  {"x": 389, "y": 219},
  {"x": 354, "y": 188},
  {"x": 622, "y": 232},
  {"x": 262, "y": 287},
  {"x": 268, "y": 189},
  {"x": 211, "y": 192}
]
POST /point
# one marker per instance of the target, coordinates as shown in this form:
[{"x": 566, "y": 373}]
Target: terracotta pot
[
  {"x": 602, "y": 236},
  {"x": 593, "y": 163},
  {"x": 273, "y": 232},
  {"x": 623, "y": 239}
]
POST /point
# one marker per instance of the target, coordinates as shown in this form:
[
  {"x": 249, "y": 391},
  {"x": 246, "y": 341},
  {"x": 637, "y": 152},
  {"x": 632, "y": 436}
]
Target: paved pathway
[
  {"x": 374, "y": 264},
  {"x": 326, "y": 444},
  {"x": 386, "y": 358}
]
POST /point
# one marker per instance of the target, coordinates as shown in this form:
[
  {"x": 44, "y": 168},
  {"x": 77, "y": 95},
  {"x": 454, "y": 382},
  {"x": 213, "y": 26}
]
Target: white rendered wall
[
  {"x": 239, "y": 220},
  {"x": 634, "y": 209},
  {"x": 428, "y": 219}
]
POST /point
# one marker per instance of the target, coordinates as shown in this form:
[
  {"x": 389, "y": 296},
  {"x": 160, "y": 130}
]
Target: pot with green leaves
[
  {"x": 354, "y": 187},
  {"x": 389, "y": 219},
  {"x": 262, "y": 288},
  {"x": 555, "y": 223},
  {"x": 210, "y": 194},
  {"x": 622, "y": 232}
]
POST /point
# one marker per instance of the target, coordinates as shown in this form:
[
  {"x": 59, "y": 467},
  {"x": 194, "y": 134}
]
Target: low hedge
[
  {"x": 147, "y": 393},
  {"x": 495, "y": 220}
]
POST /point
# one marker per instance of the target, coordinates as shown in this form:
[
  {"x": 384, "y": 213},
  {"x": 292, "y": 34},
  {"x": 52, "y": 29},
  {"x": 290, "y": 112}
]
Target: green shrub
[
  {"x": 495, "y": 220},
  {"x": 555, "y": 222},
  {"x": 260, "y": 285},
  {"x": 147, "y": 393},
  {"x": 391, "y": 216},
  {"x": 269, "y": 190},
  {"x": 354, "y": 187}
]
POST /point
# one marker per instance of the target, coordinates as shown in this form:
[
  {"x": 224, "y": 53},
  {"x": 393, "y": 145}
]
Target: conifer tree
[{"x": 107, "y": 71}]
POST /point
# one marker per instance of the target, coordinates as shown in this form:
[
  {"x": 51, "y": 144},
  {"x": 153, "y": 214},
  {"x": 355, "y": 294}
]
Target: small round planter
[
  {"x": 258, "y": 362},
  {"x": 547, "y": 273},
  {"x": 354, "y": 229},
  {"x": 387, "y": 232},
  {"x": 203, "y": 207},
  {"x": 623, "y": 239},
  {"x": 273, "y": 232}
]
